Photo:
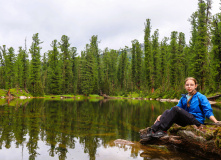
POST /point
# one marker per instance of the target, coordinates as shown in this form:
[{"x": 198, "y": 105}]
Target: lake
[{"x": 81, "y": 130}]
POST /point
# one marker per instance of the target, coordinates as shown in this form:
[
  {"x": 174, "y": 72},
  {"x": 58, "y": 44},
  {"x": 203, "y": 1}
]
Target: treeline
[{"x": 157, "y": 70}]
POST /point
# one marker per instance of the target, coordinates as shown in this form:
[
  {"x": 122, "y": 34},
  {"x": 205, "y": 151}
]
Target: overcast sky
[{"x": 115, "y": 22}]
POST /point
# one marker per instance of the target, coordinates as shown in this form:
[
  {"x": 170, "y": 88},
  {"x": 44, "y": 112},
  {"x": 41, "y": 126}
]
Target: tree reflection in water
[{"x": 65, "y": 129}]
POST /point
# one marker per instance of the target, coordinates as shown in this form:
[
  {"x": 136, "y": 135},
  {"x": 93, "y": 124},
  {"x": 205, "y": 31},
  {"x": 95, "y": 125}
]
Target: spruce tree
[
  {"x": 54, "y": 70},
  {"x": 139, "y": 54},
  {"x": 67, "y": 75},
  {"x": 148, "y": 61},
  {"x": 3, "y": 67},
  {"x": 216, "y": 51},
  {"x": 156, "y": 68},
  {"x": 87, "y": 72},
  {"x": 109, "y": 70},
  {"x": 173, "y": 59},
  {"x": 44, "y": 70},
  {"x": 200, "y": 65},
  {"x": 19, "y": 69},
  {"x": 192, "y": 45},
  {"x": 164, "y": 63},
  {"x": 35, "y": 68},
  {"x": 136, "y": 64},
  {"x": 122, "y": 66},
  {"x": 181, "y": 59},
  {"x": 10, "y": 67},
  {"x": 74, "y": 61},
  {"x": 96, "y": 66},
  {"x": 133, "y": 64}
]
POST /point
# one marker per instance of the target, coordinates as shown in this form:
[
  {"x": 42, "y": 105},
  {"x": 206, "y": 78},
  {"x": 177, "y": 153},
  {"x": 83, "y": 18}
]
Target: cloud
[{"x": 116, "y": 22}]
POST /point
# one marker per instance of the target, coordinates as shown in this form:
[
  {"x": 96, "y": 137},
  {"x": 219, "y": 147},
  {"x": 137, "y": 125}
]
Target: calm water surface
[{"x": 80, "y": 130}]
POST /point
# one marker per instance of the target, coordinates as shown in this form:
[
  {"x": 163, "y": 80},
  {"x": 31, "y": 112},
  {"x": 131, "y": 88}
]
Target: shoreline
[{"x": 101, "y": 97}]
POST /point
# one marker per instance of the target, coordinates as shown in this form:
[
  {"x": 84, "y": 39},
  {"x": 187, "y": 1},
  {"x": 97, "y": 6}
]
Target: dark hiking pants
[{"x": 175, "y": 115}]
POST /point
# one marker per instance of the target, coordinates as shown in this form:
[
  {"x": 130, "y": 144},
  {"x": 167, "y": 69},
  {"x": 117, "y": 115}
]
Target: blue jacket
[{"x": 194, "y": 108}]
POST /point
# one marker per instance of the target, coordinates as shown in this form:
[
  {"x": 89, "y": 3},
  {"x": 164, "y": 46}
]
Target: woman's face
[{"x": 190, "y": 86}]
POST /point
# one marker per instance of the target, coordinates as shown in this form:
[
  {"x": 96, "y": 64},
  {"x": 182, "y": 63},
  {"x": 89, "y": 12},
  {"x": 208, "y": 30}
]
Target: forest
[{"x": 152, "y": 69}]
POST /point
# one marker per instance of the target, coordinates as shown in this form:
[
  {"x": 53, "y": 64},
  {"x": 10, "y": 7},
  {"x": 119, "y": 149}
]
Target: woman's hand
[
  {"x": 212, "y": 118},
  {"x": 158, "y": 119}
]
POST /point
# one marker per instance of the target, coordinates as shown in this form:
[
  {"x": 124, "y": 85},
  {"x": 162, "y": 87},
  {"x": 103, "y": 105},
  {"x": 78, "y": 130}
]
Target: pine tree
[
  {"x": 44, "y": 71},
  {"x": 35, "y": 68},
  {"x": 87, "y": 72},
  {"x": 136, "y": 63},
  {"x": 2, "y": 70},
  {"x": 122, "y": 66},
  {"x": 216, "y": 51},
  {"x": 155, "y": 72},
  {"x": 193, "y": 43},
  {"x": 3, "y": 67},
  {"x": 24, "y": 62},
  {"x": 19, "y": 69},
  {"x": 164, "y": 49},
  {"x": 74, "y": 63},
  {"x": 200, "y": 66},
  {"x": 67, "y": 75},
  {"x": 173, "y": 59},
  {"x": 109, "y": 70},
  {"x": 148, "y": 54},
  {"x": 133, "y": 64},
  {"x": 54, "y": 70},
  {"x": 181, "y": 59},
  {"x": 96, "y": 66}
]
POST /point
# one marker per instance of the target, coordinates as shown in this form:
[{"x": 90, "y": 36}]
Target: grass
[
  {"x": 3, "y": 92},
  {"x": 94, "y": 96},
  {"x": 17, "y": 92}
]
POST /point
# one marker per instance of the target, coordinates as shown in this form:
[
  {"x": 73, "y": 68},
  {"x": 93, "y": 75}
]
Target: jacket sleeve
[
  {"x": 207, "y": 109},
  {"x": 180, "y": 104}
]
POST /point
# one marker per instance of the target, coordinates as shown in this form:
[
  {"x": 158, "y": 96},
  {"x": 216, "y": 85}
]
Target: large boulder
[{"x": 201, "y": 141}]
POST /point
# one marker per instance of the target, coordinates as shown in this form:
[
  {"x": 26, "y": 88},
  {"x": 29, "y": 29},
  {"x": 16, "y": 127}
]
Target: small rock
[{"x": 22, "y": 97}]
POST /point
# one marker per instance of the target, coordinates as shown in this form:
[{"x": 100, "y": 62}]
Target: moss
[
  {"x": 175, "y": 128},
  {"x": 217, "y": 134}
]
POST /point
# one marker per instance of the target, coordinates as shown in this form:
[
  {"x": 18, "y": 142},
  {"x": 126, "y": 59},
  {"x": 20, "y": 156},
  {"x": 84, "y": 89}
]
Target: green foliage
[
  {"x": 216, "y": 51},
  {"x": 36, "y": 87},
  {"x": 148, "y": 54},
  {"x": 122, "y": 69},
  {"x": 3, "y": 92},
  {"x": 136, "y": 62},
  {"x": 67, "y": 74},
  {"x": 90, "y": 81},
  {"x": 200, "y": 58},
  {"x": 17, "y": 92},
  {"x": 54, "y": 70},
  {"x": 153, "y": 69}
]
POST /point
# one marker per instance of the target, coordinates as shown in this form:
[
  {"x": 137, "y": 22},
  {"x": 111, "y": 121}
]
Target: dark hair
[{"x": 191, "y": 78}]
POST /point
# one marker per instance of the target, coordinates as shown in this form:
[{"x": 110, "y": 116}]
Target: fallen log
[
  {"x": 213, "y": 98},
  {"x": 201, "y": 141}
]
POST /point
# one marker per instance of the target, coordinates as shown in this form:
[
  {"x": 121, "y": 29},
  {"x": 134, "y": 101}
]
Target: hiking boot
[
  {"x": 159, "y": 134},
  {"x": 148, "y": 135}
]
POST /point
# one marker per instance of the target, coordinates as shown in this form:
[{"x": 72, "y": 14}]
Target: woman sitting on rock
[{"x": 192, "y": 109}]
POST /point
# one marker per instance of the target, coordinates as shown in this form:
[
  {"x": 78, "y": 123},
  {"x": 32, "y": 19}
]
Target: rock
[
  {"x": 22, "y": 97},
  {"x": 201, "y": 141}
]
